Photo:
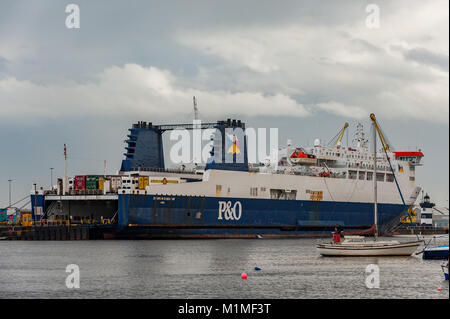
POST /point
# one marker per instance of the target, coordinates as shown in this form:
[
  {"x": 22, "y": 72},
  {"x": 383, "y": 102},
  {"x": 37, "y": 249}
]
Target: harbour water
[{"x": 290, "y": 268}]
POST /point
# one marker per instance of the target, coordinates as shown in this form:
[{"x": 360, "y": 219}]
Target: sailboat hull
[{"x": 399, "y": 249}]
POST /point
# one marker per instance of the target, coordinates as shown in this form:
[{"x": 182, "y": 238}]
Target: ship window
[
  {"x": 263, "y": 189},
  {"x": 412, "y": 178},
  {"x": 389, "y": 178},
  {"x": 218, "y": 188},
  {"x": 369, "y": 176},
  {"x": 362, "y": 175},
  {"x": 380, "y": 177},
  {"x": 352, "y": 174},
  {"x": 254, "y": 191},
  {"x": 282, "y": 194}
]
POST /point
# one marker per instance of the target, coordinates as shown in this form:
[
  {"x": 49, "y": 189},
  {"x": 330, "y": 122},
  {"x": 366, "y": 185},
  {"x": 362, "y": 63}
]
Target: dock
[{"x": 57, "y": 232}]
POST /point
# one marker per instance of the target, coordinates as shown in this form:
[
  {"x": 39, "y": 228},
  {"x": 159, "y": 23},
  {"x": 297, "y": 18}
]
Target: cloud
[
  {"x": 133, "y": 89},
  {"x": 3, "y": 63},
  {"x": 343, "y": 110},
  {"x": 424, "y": 56},
  {"x": 337, "y": 67}
]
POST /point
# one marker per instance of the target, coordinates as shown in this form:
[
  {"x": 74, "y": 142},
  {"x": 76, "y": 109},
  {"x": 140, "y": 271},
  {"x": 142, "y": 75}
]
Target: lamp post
[
  {"x": 9, "y": 181},
  {"x": 51, "y": 177}
]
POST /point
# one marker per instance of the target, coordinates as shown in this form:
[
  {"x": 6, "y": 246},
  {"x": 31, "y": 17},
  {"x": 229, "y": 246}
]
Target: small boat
[
  {"x": 435, "y": 252},
  {"x": 445, "y": 270},
  {"x": 358, "y": 245}
]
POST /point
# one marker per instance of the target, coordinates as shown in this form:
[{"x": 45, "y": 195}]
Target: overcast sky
[{"x": 305, "y": 67}]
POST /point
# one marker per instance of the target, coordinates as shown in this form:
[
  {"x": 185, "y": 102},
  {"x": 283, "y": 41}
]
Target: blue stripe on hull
[{"x": 189, "y": 215}]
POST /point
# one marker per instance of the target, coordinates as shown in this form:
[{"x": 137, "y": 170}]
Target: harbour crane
[
  {"x": 384, "y": 141},
  {"x": 337, "y": 140},
  {"x": 387, "y": 148}
]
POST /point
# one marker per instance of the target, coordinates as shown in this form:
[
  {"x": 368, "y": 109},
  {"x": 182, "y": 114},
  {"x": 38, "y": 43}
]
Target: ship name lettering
[{"x": 229, "y": 211}]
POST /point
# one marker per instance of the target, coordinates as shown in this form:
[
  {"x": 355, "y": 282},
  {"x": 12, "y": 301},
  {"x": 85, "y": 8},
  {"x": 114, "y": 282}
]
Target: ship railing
[
  {"x": 164, "y": 170},
  {"x": 368, "y": 167},
  {"x": 342, "y": 175},
  {"x": 50, "y": 222},
  {"x": 86, "y": 192}
]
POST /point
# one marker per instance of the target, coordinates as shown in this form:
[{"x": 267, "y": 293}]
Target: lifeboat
[{"x": 301, "y": 157}]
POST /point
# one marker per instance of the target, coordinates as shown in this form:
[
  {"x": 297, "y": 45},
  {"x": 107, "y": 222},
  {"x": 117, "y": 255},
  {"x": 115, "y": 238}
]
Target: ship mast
[
  {"x": 65, "y": 171},
  {"x": 195, "y": 108},
  {"x": 375, "y": 206}
]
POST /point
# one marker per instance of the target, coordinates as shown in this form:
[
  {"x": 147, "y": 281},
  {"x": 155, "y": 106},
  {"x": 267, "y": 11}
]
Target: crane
[
  {"x": 338, "y": 138},
  {"x": 387, "y": 148},
  {"x": 384, "y": 141}
]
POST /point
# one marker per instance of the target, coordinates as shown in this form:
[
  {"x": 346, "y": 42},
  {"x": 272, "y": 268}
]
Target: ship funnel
[{"x": 229, "y": 147}]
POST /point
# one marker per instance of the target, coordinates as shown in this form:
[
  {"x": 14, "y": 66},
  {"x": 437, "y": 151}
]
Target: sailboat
[{"x": 359, "y": 245}]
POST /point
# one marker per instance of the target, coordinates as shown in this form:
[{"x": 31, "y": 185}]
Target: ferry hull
[{"x": 159, "y": 216}]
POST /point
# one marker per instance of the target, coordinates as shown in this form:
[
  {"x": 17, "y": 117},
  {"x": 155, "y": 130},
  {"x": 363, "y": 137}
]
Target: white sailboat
[{"x": 358, "y": 245}]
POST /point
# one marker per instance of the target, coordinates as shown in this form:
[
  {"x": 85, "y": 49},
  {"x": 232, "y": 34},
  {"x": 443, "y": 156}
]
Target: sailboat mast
[{"x": 375, "y": 206}]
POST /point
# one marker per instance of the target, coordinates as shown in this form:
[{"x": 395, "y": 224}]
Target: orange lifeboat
[{"x": 300, "y": 157}]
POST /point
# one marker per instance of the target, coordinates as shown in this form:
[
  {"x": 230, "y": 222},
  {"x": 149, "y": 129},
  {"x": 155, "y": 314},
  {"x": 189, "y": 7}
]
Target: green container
[{"x": 91, "y": 182}]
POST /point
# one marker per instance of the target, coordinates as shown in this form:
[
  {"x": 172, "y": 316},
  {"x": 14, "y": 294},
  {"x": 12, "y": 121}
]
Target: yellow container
[
  {"x": 141, "y": 182},
  {"x": 101, "y": 183},
  {"x": 26, "y": 220},
  {"x": 146, "y": 182}
]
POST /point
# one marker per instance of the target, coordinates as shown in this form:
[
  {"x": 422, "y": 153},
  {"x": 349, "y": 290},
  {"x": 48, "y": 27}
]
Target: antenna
[
  {"x": 65, "y": 170},
  {"x": 195, "y": 108}
]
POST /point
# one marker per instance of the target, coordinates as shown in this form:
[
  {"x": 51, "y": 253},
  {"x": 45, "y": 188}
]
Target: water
[{"x": 291, "y": 268}]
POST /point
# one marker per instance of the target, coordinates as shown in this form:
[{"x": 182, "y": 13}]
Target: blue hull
[
  {"x": 436, "y": 253},
  {"x": 201, "y": 217}
]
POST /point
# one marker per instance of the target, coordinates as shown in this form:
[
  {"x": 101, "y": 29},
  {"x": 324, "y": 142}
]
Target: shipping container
[
  {"x": 3, "y": 216},
  {"x": 92, "y": 182},
  {"x": 80, "y": 183},
  {"x": 107, "y": 186},
  {"x": 101, "y": 182},
  {"x": 116, "y": 183},
  {"x": 12, "y": 219}
]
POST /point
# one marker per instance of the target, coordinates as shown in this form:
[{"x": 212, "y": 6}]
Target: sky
[{"x": 305, "y": 67}]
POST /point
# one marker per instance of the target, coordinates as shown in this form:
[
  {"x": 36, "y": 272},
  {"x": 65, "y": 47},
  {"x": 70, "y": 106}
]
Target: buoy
[
  {"x": 439, "y": 288},
  {"x": 244, "y": 276},
  {"x": 257, "y": 268}
]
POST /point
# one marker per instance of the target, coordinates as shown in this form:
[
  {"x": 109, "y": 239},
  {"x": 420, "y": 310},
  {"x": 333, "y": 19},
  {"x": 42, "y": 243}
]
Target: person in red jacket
[{"x": 336, "y": 236}]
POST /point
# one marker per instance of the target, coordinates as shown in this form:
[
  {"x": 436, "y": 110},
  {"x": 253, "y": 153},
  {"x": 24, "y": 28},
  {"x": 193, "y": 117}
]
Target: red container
[{"x": 80, "y": 183}]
